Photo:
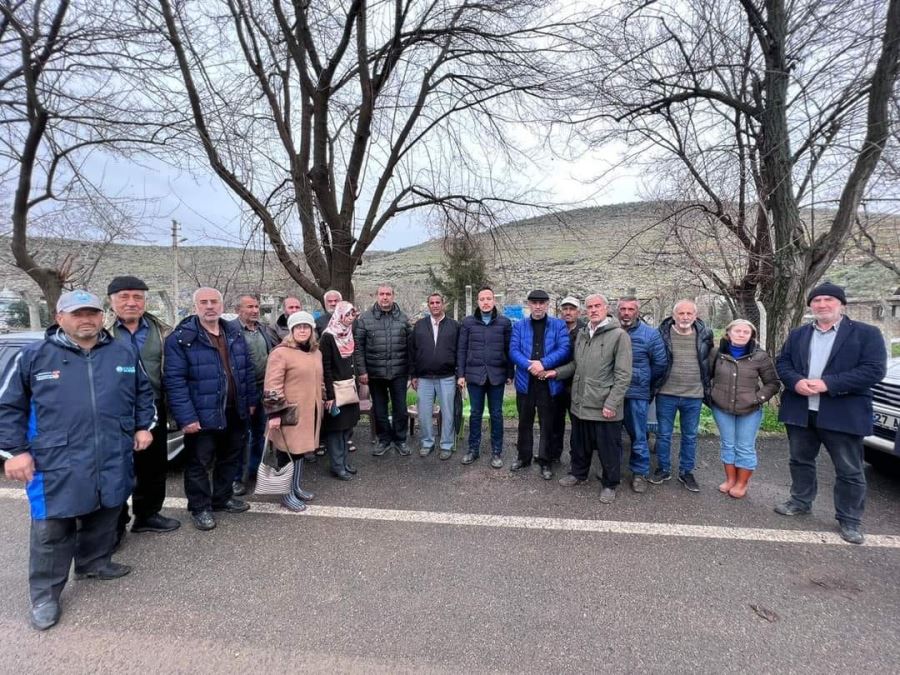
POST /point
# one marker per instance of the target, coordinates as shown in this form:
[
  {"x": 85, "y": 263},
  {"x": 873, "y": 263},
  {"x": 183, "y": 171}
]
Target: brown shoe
[
  {"x": 730, "y": 478},
  {"x": 740, "y": 487}
]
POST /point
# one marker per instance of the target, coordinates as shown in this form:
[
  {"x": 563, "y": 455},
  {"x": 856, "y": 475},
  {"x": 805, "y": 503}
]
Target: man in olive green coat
[
  {"x": 601, "y": 373},
  {"x": 146, "y": 333}
]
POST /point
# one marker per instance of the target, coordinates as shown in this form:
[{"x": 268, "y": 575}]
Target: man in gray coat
[
  {"x": 381, "y": 355},
  {"x": 601, "y": 372}
]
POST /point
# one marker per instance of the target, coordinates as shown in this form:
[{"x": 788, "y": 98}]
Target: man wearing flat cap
[
  {"x": 539, "y": 343},
  {"x": 134, "y": 325},
  {"x": 74, "y": 408},
  {"x": 828, "y": 368},
  {"x": 570, "y": 312}
]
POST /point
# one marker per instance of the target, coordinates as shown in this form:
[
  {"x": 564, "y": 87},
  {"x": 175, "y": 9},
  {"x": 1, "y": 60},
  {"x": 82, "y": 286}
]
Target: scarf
[{"x": 343, "y": 335}]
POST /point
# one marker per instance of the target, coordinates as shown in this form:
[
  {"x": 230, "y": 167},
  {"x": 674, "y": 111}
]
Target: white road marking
[{"x": 555, "y": 524}]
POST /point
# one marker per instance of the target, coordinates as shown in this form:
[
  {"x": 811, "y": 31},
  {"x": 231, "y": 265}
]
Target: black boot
[{"x": 298, "y": 491}]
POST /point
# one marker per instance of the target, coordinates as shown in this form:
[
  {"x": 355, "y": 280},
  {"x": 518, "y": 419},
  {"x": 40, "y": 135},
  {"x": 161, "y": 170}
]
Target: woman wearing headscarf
[
  {"x": 294, "y": 371},
  {"x": 337, "y": 361},
  {"x": 743, "y": 379}
]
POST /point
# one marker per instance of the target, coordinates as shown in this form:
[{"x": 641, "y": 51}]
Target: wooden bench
[{"x": 413, "y": 414}]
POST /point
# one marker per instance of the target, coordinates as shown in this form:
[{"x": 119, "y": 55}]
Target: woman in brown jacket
[
  {"x": 743, "y": 378},
  {"x": 294, "y": 369}
]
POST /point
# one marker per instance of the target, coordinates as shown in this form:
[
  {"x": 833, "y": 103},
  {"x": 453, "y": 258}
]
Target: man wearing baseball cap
[
  {"x": 828, "y": 368},
  {"x": 73, "y": 410},
  {"x": 134, "y": 325}
]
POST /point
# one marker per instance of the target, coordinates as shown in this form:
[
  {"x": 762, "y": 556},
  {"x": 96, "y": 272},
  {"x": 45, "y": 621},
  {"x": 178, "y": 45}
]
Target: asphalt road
[{"x": 274, "y": 592}]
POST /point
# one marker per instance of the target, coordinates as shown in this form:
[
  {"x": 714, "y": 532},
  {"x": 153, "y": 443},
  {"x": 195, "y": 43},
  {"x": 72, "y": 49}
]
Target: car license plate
[{"x": 885, "y": 421}]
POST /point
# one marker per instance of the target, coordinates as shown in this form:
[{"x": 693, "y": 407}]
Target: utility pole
[{"x": 175, "y": 272}]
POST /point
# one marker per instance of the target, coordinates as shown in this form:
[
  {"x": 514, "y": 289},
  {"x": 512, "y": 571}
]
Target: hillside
[{"x": 609, "y": 249}]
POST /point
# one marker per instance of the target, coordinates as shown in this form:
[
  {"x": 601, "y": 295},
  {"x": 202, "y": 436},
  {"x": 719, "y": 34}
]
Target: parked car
[
  {"x": 882, "y": 446},
  {"x": 11, "y": 343}
]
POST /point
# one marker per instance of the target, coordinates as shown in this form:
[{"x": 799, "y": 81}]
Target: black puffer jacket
[
  {"x": 704, "y": 337},
  {"x": 381, "y": 343}
]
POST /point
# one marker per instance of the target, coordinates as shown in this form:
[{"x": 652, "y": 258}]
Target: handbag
[
  {"x": 275, "y": 405},
  {"x": 345, "y": 392},
  {"x": 270, "y": 478}
]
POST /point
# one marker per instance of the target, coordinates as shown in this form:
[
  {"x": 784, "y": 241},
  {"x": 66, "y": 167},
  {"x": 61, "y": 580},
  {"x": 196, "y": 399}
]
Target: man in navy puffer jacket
[
  {"x": 649, "y": 364},
  {"x": 483, "y": 365},
  {"x": 212, "y": 394}
]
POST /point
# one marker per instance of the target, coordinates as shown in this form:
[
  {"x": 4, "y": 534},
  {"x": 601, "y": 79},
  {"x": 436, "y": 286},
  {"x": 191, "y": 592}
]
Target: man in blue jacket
[
  {"x": 539, "y": 343},
  {"x": 483, "y": 365},
  {"x": 212, "y": 394},
  {"x": 649, "y": 365},
  {"x": 73, "y": 409},
  {"x": 828, "y": 368}
]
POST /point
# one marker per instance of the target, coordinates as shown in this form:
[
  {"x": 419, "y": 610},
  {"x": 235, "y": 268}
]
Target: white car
[{"x": 882, "y": 446}]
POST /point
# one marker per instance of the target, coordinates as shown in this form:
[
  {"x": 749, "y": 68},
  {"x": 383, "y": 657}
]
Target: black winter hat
[
  {"x": 827, "y": 288},
  {"x": 126, "y": 284},
  {"x": 538, "y": 295}
]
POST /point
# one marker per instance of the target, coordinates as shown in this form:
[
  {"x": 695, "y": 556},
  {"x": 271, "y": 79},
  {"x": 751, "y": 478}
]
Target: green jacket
[
  {"x": 153, "y": 350},
  {"x": 600, "y": 371}
]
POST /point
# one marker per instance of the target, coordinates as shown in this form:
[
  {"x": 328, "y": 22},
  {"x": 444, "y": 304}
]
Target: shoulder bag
[
  {"x": 345, "y": 392},
  {"x": 270, "y": 478}
]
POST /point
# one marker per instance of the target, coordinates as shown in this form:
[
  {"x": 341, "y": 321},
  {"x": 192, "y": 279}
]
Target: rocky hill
[{"x": 611, "y": 249}]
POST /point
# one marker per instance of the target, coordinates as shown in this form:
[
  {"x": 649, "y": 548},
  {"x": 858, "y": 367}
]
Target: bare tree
[
  {"x": 770, "y": 109},
  {"x": 62, "y": 99},
  {"x": 328, "y": 119}
]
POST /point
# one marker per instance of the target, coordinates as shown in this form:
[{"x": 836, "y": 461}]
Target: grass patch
[
  {"x": 770, "y": 423},
  {"x": 895, "y": 349}
]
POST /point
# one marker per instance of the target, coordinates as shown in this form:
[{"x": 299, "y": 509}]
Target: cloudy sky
[{"x": 209, "y": 214}]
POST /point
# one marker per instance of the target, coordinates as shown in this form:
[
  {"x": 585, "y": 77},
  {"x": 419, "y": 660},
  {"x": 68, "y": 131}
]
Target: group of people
[{"x": 83, "y": 412}]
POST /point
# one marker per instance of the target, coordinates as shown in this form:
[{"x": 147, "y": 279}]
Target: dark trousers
[
  {"x": 537, "y": 400},
  {"x": 336, "y": 445},
  {"x": 560, "y": 410},
  {"x": 218, "y": 451},
  {"x": 395, "y": 390},
  {"x": 150, "y": 467},
  {"x": 846, "y": 452},
  {"x": 55, "y": 542},
  {"x": 605, "y": 438},
  {"x": 256, "y": 438},
  {"x": 494, "y": 395}
]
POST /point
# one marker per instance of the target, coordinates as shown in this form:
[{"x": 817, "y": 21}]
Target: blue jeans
[
  {"x": 738, "y": 437},
  {"x": 846, "y": 452},
  {"x": 636, "y": 426},
  {"x": 445, "y": 390},
  {"x": 494, "y": 394},
  {"x": 688, "y": 410}
]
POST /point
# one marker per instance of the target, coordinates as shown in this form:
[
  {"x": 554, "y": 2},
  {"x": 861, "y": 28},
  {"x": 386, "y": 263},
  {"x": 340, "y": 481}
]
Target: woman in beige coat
[{"x": 294, "y": 370}]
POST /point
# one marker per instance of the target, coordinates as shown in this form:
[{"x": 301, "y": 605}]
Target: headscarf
[{"x": 343, "y": 335}]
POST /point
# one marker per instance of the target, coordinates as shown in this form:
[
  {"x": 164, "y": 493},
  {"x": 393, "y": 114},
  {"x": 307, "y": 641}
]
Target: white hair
[
  {"x": 597, "y": 295},
  {"x": 207, "y": 288},
  {"x": 332, "y": 291},
  {"x": 682, "y": 302}
]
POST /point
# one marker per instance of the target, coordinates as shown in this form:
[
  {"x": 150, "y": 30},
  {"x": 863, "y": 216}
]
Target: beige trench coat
[{"x": 299, "y": 376}]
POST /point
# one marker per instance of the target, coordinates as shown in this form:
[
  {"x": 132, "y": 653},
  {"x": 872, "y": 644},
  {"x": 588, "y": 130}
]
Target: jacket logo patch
[
  {"x": 46, "y": 375},
  {"x": 125, "y": 369}
]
